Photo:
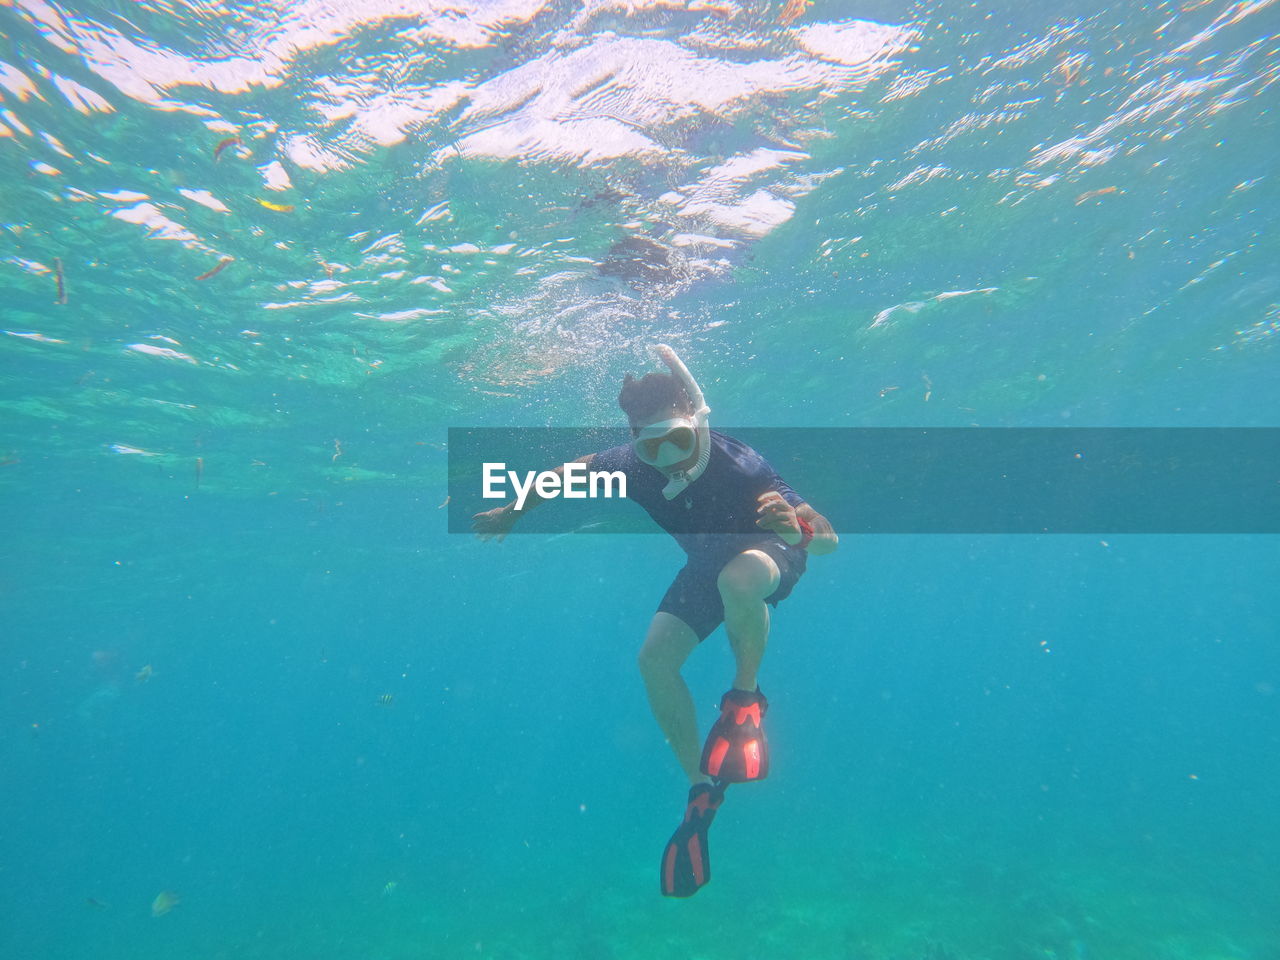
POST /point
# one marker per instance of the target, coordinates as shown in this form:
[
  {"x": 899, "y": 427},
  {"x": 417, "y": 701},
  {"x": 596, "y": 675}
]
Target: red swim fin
[
  {"x": 736, "y": 750},
  {"x": 686, "y": 861}
]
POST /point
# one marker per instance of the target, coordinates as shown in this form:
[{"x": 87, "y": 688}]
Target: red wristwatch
[{"x": 806, "y": 528}]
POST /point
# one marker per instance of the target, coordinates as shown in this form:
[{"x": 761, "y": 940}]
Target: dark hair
[{"x": 652, "y": 393}]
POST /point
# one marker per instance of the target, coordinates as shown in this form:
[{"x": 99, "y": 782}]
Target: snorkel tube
[{"x": 682, "y": 478}]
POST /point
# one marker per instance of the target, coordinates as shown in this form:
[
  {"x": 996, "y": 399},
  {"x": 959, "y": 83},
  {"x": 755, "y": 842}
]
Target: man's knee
[
  {"x": 651, "y": 660},
  {"x": 752, "y": 575},
  {"x": 666, "y": 647},
  {"x": 657, "y": 659}
]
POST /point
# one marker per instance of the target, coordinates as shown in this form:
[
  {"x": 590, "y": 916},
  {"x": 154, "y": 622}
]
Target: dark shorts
[{"x": 694, "y": 597}]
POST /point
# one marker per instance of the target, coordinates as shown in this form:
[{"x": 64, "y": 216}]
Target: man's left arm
[
  {"x": 787, "y": 517},
  {"x": 824, "y": 539}
]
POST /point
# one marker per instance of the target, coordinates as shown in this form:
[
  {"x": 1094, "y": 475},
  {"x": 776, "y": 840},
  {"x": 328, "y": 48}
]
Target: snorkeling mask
[
  {"x": 673, "y": 441},
  {"x": 667, "y": 442}
]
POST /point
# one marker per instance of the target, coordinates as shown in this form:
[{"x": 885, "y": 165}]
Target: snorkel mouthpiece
[{"x": 679, "y": 480}]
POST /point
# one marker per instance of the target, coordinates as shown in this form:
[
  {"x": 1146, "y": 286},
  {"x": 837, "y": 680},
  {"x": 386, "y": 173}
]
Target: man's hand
[
  {"x": 778, "y": 516},
  {"x": 496, "y": 522}
]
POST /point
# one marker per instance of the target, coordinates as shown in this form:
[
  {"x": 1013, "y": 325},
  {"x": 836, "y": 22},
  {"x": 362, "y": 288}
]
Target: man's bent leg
[
  {"x": 744, "y": 583},
  {"x": 666, "y": 647}
]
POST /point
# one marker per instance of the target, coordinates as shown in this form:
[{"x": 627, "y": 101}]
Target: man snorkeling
[{"x": 747, "y": 535}]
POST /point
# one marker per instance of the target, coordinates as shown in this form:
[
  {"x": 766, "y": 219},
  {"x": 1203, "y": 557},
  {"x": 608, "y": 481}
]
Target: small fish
[
  {"x": 386, "y": 699},
  {"x": 95, "y": 902},
  {"x": 598, "y": 526},
  {"x": 165, "y": 901},
  {"x": 145, "y": 674},
  {"x": 523, "y": 573},
  {"x": 277, "y": 207},
  {"x": 1091, "y": 194},
  {"x": 793, "y": 11},
  {"x": 223, "y": 144},
  {"x": 216, "y": 270},
  {"x": 445, "y": 502},
  {"x": 607, "y": 195},
  {"x": 1068, "y": 68},
  {"x": 57, "y": 275},
  {"x": 199, "y": 470}
]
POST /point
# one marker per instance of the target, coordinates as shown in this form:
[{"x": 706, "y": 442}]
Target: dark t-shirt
[{"x": 714, "y": 518}]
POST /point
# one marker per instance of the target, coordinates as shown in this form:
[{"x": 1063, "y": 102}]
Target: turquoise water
[{"x": 220, "y": 498}]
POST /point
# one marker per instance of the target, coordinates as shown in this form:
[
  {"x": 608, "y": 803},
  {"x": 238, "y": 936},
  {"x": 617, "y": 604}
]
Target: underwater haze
[{"x": 256, "y": 259}]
